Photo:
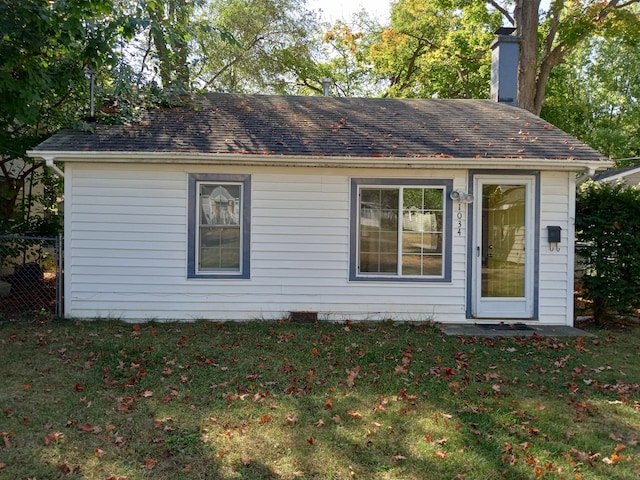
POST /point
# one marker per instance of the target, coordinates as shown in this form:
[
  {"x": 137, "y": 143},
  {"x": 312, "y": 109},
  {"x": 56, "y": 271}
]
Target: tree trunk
[{"x": 526, "y": 18}]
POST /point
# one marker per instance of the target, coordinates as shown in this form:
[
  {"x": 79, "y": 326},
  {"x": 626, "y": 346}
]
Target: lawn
[{"x": 268, "y": 400}]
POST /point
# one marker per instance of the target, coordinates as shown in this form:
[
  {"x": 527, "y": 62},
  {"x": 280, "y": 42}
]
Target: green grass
[{"x": 259, "y": 400}]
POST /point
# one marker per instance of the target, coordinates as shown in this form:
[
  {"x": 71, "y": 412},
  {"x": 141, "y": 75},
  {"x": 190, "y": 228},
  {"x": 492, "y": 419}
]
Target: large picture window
[
  {"x": 219, "y": 226},
  {"x": 399, "y": 230}
]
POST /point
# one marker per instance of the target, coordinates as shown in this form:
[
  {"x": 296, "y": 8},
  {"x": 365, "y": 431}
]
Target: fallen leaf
[
  {"x": 619, "y": 447},
  {"x": 86, "y": 427},
  {"x": 53, "y": 437},
  {"x": 399, "y": 370},
  {"x": 150, "y": 463},
  {"x": 310, "y": 440},
  {"x": 398, "y": 458},
  {"x": 100, "y": 452},
  {"x": 186, "y": 469},
  {"x": 2, "y": 465},
  {"x": 441, "y": 454},
  {"x": 265, "y": 419},
  {"x": 291, "y": 418},
  {"x": 354, "y": 414},
  {"x": 336, "y": 419},
  {"x": 5, "y": 436},
  {"x": 319, "y": 423}
]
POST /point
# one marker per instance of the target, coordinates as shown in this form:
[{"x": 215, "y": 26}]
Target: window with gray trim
[
  {"x": 219, "y": 223},
  {"x": 399, "y": 230}
]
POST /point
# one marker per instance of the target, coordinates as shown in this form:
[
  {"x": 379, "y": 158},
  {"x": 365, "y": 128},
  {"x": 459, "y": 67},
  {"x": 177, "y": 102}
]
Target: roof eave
[{"x": 436, "y": 161}]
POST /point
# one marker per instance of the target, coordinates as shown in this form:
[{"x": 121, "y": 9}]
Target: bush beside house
[{"x": 608, "y": 232}]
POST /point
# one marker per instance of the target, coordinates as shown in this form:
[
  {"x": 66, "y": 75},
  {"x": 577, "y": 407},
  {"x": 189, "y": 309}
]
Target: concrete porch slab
[{"x": 504, "y": 330}]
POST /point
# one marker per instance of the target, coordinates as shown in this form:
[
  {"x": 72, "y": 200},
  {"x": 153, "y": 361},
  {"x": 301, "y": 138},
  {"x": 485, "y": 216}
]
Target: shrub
[{"x": 608, "y": 232}]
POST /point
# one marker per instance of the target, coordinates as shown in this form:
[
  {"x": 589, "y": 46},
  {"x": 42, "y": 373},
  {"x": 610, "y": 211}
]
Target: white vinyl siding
[
  {"x": 126, "y": 252},
  {"x": 557, "y": 208}
]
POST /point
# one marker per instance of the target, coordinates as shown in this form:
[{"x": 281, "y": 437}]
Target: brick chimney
[{"x": 504, "y": 66}]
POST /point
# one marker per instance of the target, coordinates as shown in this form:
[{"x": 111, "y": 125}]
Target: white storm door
[{"x": 504, "y": 247}]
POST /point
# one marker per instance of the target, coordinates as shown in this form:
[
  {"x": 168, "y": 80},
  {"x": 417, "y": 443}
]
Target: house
[
  {"x": 628, "y": 176},
  {"x": 253, "y": 207}
]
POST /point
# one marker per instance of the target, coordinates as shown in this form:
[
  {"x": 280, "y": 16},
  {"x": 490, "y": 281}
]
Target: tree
[
  {"x": 547, "y": 37},
  {"x": 45, "y": 48},
  {"x": 275, "y": 42},
  {"x": 441, "y": 46},
  {"x": 436, "y": 47},
  {"x": 595, "y": 95},
  {"x": 345, "y": 57}
]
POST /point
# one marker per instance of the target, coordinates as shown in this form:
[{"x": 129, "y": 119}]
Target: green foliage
[
  {"x": 45, "y": 48},
  {"x": 275, "y": 42},
  {"x": 435, "y": 47},
  {"x": 595, "y": 96},
  {"x": 608, "y": 232},
  {"x": 346, "y": 57}
]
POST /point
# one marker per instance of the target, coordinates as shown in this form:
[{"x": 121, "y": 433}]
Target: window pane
[
  {"x": 219, "y": 248},
  {"x": 220, "y": 204},
  {"x": 379, "y": 230},
  {"x": 422, "y": 217},
  {"x": 409, "y": 220},
  {"x": 220, "y": 245}
]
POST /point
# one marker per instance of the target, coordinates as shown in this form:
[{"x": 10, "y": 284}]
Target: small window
[
  {"x": 399, "y": 230},
  {"x": 219, "y": 223}
]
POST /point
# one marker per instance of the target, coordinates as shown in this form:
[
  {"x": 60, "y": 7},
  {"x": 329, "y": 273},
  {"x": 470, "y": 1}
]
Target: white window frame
[
  {"x": 357, "y": 185},
  {"x": 196, "y": 181}
]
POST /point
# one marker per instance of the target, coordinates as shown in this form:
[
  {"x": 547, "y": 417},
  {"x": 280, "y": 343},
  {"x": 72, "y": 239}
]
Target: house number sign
[{"x": 459, "y": 219}]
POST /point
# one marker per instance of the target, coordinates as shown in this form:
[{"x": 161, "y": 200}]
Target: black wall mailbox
[{"x": 553, "y": 233}]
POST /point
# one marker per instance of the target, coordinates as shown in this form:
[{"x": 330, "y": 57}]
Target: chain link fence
[{"x": 30, "y": 277}]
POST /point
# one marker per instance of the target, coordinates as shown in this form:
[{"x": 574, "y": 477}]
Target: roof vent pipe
[
  {"x": 326, "y": 83},
  {"x": 505, "y": 50},
  {"x": 92, "y": 95}
]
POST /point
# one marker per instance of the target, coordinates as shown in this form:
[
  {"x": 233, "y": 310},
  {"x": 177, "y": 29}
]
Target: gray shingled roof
[
  {"x": 329, "y": 126},
  {"x": 614, "y": 172}
]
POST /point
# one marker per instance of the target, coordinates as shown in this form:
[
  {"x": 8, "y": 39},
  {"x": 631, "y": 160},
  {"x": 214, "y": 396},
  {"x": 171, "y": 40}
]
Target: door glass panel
[{"x": 503, "y": 240}]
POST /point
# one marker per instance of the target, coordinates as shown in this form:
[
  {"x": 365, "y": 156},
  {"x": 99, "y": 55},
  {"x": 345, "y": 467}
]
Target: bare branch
[
  {"x": 502, "y": 10},
  {"x": 556, "y": 9}
]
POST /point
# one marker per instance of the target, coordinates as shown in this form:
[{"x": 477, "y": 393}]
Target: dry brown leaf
[{"x": 291, "y": 418}]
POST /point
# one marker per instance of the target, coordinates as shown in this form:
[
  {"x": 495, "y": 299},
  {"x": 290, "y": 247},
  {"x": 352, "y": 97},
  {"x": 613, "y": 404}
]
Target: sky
[{"x": 342, "y": 9}]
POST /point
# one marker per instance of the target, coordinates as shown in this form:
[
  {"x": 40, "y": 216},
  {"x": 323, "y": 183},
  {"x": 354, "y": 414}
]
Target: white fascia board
[{"x": 323, "y": 161}]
